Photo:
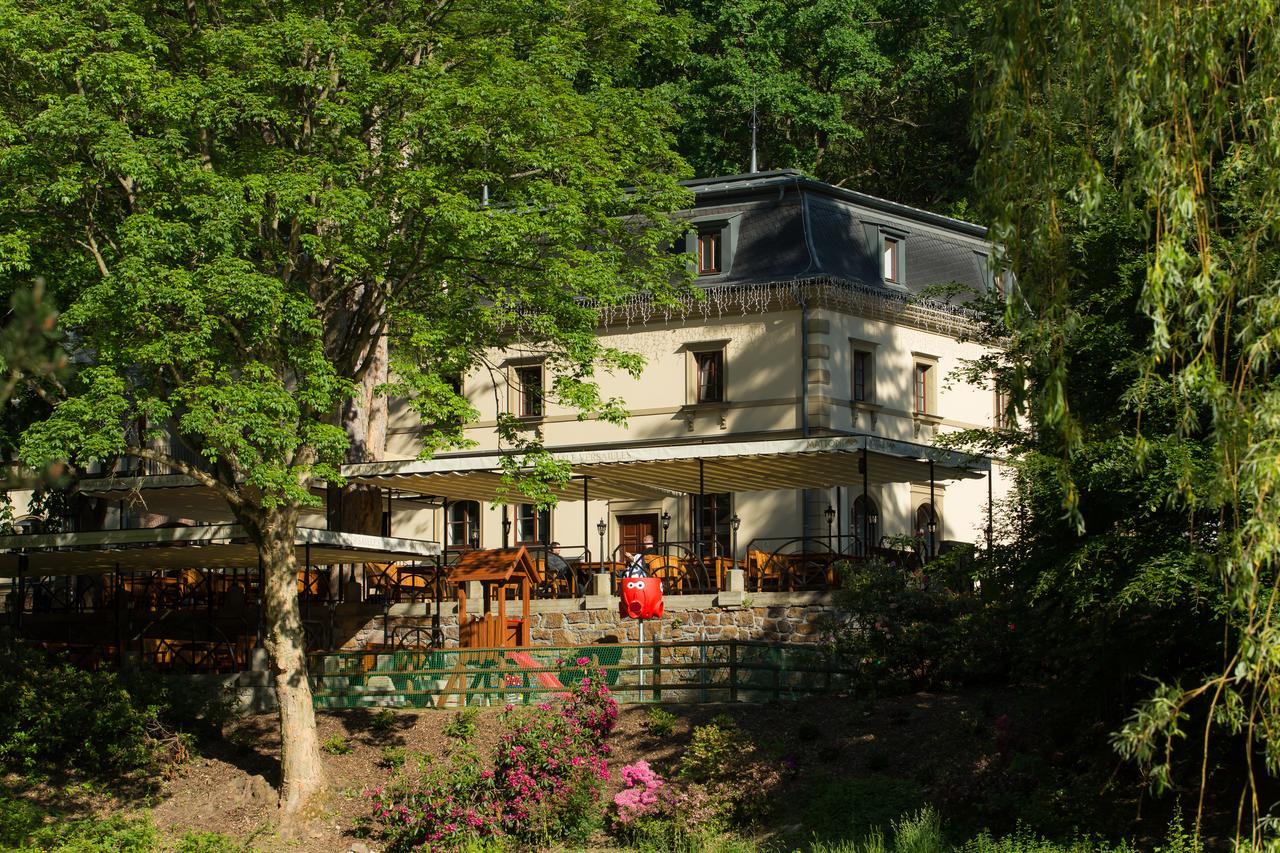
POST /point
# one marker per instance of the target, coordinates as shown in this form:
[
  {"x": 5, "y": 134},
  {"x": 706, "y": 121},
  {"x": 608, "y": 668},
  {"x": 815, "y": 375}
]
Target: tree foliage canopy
[
  {"x": 261, "y": 218},
  {"x": 1166, "y": 113},
  {"x": 863, "y": 93},
  {"x": 236, "y": 204}
]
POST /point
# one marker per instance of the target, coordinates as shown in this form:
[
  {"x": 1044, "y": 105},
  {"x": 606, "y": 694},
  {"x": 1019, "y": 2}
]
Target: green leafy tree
[
  {"x": 867, "y": 94},
  {"x": 264, "y": 219},
  {"x": 1171, "y": 110}
]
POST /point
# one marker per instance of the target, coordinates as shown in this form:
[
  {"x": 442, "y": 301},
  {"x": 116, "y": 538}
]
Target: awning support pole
[
  {"x": 437, "y": 634},
  {"x": 866, "y": 505},
  {"x": 586, "y": 532},
  {"x": 990, "y": 512},
  {"x": 22, "y": 593},
  {"x": 702, "y": 510},
  {"x": 933, "y": 511},
  {"x": 115, "y": 579},
  {"x": 306, "y": 578},
  {"x": 262, "y": 605}
]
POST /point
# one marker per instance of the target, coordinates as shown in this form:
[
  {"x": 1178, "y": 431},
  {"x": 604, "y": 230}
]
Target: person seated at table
[
  {"x": 637, "y": 564},
  {"x": 558, "y": 567}
]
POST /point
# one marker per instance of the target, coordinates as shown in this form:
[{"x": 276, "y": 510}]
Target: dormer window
[
  {"x": 709, "y": 252},
  {"x": 890, "y": 257}
]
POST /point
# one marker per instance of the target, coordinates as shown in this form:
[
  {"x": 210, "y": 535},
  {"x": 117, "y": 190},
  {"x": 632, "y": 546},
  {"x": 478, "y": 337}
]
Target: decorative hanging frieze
[{"x": 817, "y": 292}]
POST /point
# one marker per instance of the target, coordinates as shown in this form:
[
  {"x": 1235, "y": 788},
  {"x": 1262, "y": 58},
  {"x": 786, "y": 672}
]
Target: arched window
[
  {"x": 533, "y": 525},
  {"x": 463, "y": 525},
  {"x": 865, "y": 511},
  {"x": 926, "y": 515}
]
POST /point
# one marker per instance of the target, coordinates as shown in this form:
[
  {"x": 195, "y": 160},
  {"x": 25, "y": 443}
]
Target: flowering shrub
[
  {"x": 722, "y": 769},
  {"x": 654, "y": 814},
  {"x": 640, "y": 796},
  {"x": 720, "y": 783},
  {"x": 545, "y": 783},
  {"x": 453, "y": 802},
  {"x": 552, "y": 766}
]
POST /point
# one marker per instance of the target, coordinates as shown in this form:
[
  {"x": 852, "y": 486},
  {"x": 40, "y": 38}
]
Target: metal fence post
[
  {"x": 702, "y": 670},
  {"x": 733, "y": 670},
  {"x": 777, "y": 678},
  {"x": 657, "y": 671}
]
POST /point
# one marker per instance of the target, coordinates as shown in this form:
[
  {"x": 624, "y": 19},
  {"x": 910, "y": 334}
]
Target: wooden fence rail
[{"x": 681, "y": 671}]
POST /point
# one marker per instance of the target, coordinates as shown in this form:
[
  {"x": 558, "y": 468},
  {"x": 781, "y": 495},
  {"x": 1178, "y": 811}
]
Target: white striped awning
[
  {"x": 218, "y": 546},
  {"x": 631, "y": 472}
]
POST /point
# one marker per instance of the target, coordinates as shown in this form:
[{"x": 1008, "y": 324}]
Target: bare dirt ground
[{"x": 850, "y": 763}]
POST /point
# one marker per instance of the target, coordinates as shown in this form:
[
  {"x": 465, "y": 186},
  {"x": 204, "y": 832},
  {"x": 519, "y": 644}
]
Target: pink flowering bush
[
  {"x": 453, "y": 802},
  {"x": 545, "y": 784},
  {"x": 654, "y": 813},
  {"x": 640, "y": 797},
  {"x": 552, "y": 765}
]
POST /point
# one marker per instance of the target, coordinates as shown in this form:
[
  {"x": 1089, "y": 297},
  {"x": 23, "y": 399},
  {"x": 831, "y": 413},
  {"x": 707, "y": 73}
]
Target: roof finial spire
[{"x": 754, "y": 124}]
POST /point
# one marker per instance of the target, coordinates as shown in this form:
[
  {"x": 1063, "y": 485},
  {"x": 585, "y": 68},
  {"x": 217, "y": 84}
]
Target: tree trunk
[
  {"x": 365, "y": 415},
  {"x": 365, "y": 419},
  {"x": 302, "y": 778}
]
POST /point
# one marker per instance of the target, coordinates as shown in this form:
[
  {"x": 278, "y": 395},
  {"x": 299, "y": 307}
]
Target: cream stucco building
[{"x": 812, "y": 321}]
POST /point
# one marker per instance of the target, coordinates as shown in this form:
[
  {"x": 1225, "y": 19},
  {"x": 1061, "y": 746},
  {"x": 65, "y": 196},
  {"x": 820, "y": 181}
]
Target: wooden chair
[
  {"x": 671, "y": 570},
  {"x": 765, "y": 571},
  {"x": 314, "y": 583},
  {"x": 809, "y": 570},
  {"x": 382, "y": 578}
]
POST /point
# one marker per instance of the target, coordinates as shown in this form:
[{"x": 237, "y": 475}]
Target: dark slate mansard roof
[{"x": 781, "y": 226}]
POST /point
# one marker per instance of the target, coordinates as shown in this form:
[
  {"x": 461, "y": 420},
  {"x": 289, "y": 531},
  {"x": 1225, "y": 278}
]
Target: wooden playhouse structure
[{"x": 500, "y": 572}]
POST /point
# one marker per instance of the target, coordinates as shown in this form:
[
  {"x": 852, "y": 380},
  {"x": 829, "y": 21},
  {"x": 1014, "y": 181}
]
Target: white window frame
[
  {"x": 890, "y": 257},
  {"x": 869, "y": 380},
  {"x": 692, "y": 383},
  {"x": 930, "y": 362},
  {"x": 716, "y": 233},
  {"x": 516, "y": 391}
]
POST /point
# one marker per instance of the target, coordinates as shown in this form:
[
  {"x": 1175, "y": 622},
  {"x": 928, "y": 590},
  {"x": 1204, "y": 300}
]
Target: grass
[
  {"x": 336, "y": 745},
  {"x": 919, "y": 831},
  {"x": 835, "y": 810},
  {"x": 463, "y": 725},
  {"x": 26, "y": 828}
]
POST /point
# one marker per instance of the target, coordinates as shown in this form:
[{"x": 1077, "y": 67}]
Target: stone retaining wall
[{"x": 773, "y": 617}]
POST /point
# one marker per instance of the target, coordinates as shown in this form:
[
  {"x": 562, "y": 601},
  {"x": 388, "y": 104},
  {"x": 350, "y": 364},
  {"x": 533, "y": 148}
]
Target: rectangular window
[
  {"x": 861, "y": 376},
  {"x": 924, "y": 387},
  {"x": 1000, "y": 418},
  {"x": 533, "y": 526},
  {"x": 711, "y": 523},
  {"x": 463, "y": 525},
  {"x": 529, "y": 382},
  {"x": 890, "y": 259},
  {"x": 710, "y": 376},
  {"x": 708, "y": 252}
]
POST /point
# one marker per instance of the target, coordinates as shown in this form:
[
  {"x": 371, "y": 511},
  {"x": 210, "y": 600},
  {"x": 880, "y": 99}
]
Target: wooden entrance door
[{"x": 632, "y": 529}]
